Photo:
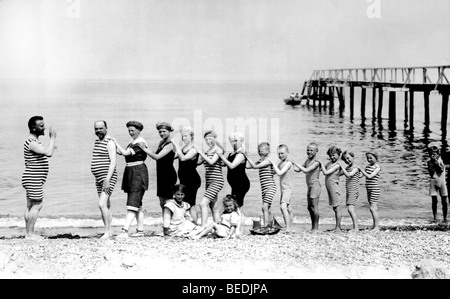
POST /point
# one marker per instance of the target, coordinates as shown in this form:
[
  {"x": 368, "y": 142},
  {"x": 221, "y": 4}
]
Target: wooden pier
[{"x": 325, "y": 85}]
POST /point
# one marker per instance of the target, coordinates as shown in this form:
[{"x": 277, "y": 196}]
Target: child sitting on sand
[
  {"x": 177, "y": 220},
  {"x": 228, "y": 224},
  {"x": 372, "y": 174},
  {"x": 268, "y": 186},
  {"x": 436, "y": 169},
  {"x": 282, "y": 169}
]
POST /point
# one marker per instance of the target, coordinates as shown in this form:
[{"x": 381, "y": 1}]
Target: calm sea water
[{"x": 72, "y": 107}]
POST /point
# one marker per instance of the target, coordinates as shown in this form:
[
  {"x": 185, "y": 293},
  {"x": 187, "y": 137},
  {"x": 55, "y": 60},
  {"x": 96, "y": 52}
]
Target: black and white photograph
[{"x": 213, "y": 140}]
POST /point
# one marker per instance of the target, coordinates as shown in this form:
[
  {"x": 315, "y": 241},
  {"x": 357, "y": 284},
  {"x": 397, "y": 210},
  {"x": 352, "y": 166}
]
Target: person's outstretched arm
[{"x": 167, "y": 149}]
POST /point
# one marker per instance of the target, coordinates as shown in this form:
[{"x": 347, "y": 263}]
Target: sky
[{"x": 273, "y": 40}]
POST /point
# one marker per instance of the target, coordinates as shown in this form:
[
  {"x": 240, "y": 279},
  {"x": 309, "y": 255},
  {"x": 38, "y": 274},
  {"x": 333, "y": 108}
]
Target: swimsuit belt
[{"x": 135, "y": 163}]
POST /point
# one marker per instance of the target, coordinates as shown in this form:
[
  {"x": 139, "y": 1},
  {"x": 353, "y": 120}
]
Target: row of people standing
[{"x": 135, "y": 177}]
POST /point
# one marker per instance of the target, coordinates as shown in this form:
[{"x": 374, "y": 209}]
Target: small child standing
[
  {"x": 229, "y": 221},
  {"x": 268, "y": 186},
  {"x": 351, "y": 186},
  {"x": 332, "y": 172},
  {"x": 311, "y": 168},
  {"x": 177, "y": 220},
  {"x": 286, "y": 186},
  {"x": 372, "y": 174},
  {"x": 436, "y": 169}
]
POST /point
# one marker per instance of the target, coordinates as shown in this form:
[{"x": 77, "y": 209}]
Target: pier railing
[{"x": 435, "y": 75}]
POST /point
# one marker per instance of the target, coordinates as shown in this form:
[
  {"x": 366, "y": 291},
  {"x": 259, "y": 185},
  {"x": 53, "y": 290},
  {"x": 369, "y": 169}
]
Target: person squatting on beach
[
  {"x": 213, "y": 177},
  {"x": 236, "y": 175},
  {"x": 372, "y": 174},
  {"x": 436, "y": 170},
  {"x": 36, "y": 171},
  {"x": 177, "y": 220},
  {"x": 268, "y": 186},
  {"x": 332, "y": 171},
  {"x": 353, "y": 175},
  {"x": 187, "y": 168},
  {"x": 311, "y": 168},
  {"x": 283, "y": 170},
  {"x": 227, "y": 226},
  {"x": 135, "y": 178},
  {"x": 166, "y": 176},
  {"x": 103, "y": 167}
]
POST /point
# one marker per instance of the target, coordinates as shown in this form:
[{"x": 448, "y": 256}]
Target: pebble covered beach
[{"x": 393, "y": 252}]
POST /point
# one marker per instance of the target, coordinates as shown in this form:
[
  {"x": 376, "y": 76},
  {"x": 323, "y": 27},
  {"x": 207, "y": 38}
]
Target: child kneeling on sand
[
  {"x": 228, "y": 224},
  {"x": 177, "y": 220}
]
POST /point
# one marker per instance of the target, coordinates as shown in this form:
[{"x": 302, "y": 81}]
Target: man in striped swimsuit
[
  {"x": 36, "y": 171},
  {"x": 103, "y": 167}
]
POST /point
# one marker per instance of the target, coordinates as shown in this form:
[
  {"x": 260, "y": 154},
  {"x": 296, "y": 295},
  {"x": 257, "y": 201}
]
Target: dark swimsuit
[
  {"x": 189, "y": 177},
  {"x": 166, "y": 176},
  {"x": 238, "y": 180}
]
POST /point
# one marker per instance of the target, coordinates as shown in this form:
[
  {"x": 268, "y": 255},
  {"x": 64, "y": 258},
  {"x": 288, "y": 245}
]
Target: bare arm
[
  {"x": 332, "y": 169},
  {"x": 213, "y": 159},
  {"x": 112, "y": 163},
  {"x": 351, "y": 173},
  {"x": 283, "y": 170},
  {"x": 371, "y": 175},
  {"x": 167, "y": 149},
  {"x": 167, "y": 215},
  {"x": 47, "y": 151},
  {"x": 310, "y": 167},
  {"x": 120, "y": 150},
  {"x": 182, "y": 156}
]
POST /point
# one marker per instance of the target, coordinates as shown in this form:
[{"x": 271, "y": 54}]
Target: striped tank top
[
  {"x": 36, "y": 165},
  {"x": 266, "y": 176},
  {"x": 213, "y": 173},
  {"x": 100, "y": 160},
  {"x": 372, "y": 183},
  {"x": 352, "y": 184}
]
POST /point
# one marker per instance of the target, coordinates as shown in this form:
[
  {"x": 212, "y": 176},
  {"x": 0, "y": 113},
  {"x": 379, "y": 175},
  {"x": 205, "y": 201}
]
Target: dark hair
[
  {"x": 334, "y": 150},
  {"x": 32, "y": 122},
  {"x": 348, "y": 153},
  {"x": 231, "y": 198},
  {"x": 136, "y": 124},
  {"x": 178, "y": 187}
]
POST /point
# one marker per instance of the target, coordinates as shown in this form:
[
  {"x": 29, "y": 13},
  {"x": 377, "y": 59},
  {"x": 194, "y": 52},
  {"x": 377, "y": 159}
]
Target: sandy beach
[{"x": 392, "y": 252}]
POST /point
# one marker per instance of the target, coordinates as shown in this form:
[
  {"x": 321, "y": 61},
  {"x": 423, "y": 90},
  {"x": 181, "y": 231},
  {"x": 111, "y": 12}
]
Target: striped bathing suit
[
  {"x": 100, "y": 165},
  {"x": 36, "y": 171},
  {"x": 352, "y": 186},
  {"x": 213, "y": 177},
  {"x": 372, "y": 186},
  {"x": 268, "y": 186}
]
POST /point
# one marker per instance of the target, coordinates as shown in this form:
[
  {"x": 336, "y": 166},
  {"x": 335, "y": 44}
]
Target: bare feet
[
  {"x": 34, "y": 237},
  {"x": 335, "y": 230},
  {"x": 353, "y": 231},
  {"x": 106, "y": 236}
]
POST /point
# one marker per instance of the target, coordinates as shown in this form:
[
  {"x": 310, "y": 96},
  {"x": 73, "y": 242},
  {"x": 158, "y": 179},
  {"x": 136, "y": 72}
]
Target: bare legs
[
  {"x": 338, "y": 216},
  {"x": 105, "y": 210},
  {"x": 31, "y": 216},
  {"x": 374, "y": 211},
  {"x": 352, "y": 212},
  {"x": 206, "y": 204},
  {"x": 287, "y": 215},
  {"x": 313, "y": 209},
  {"x": 434, "y": 202}
]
